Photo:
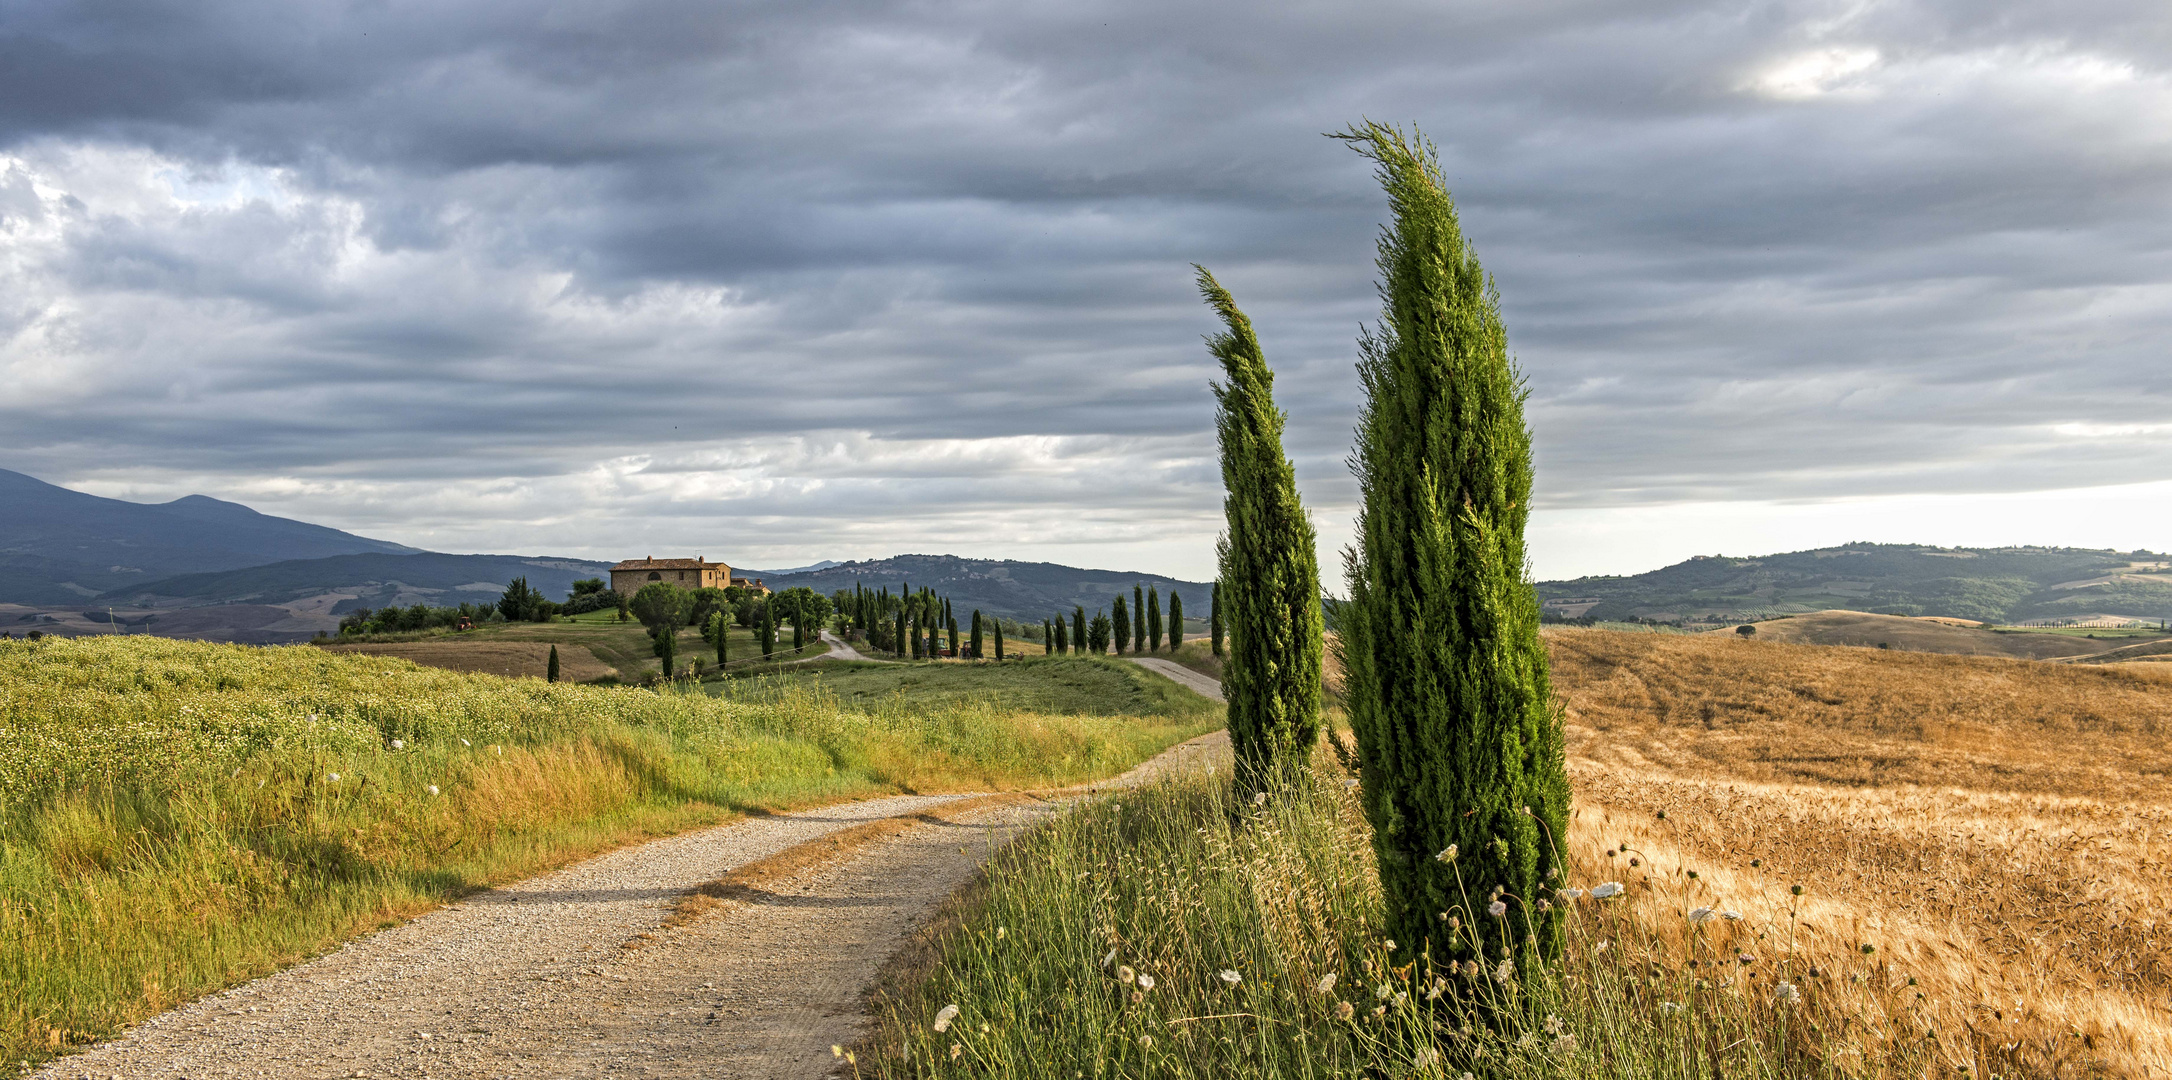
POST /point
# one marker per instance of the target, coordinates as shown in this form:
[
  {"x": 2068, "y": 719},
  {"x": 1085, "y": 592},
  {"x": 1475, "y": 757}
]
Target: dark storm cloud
[{"x": 1745, "y": 251}]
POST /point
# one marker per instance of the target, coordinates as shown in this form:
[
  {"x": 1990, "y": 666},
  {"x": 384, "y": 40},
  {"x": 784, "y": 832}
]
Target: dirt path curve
[
  {"x": 840, "y": 649},
  {"x": 576, "y": 973},
  {"x": 1183, "y": 676}
]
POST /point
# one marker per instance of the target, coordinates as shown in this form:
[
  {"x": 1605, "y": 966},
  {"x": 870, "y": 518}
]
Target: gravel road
[
  {"x": 575, "y": 973},
  {"x": 1184, "y": 676}
]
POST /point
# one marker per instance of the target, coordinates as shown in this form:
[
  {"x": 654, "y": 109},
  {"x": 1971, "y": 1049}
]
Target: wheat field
[{"x": 1988, "y": 834}]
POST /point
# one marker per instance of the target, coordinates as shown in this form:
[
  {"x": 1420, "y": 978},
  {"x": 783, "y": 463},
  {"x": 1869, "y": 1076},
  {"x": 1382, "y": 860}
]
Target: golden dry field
[{"x": 1995, "y": 831}]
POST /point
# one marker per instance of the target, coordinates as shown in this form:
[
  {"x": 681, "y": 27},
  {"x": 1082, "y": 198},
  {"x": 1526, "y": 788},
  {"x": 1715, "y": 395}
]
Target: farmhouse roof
[{"x": 695, "y": 563}]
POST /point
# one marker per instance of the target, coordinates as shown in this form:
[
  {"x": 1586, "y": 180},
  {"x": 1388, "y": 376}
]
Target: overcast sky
[{"x": 779, "y": 282}]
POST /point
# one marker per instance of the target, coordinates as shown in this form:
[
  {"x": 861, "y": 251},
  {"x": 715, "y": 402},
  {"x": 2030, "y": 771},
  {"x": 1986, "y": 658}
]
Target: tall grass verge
[
  {"x": 1172, "y": 932},
  {"x": 176, "y": 817}
]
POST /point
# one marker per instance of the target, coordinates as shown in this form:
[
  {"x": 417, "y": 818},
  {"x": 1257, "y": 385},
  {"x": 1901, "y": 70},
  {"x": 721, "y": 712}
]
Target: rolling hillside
[
  {"x": 1998, "y": 585},
  {"x": 1013, "y": 590},
  {"x": 59, "y": 546}
]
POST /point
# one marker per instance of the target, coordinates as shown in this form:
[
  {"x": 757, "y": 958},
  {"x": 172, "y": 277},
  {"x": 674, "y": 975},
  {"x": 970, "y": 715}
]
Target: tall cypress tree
[
  {"x": 900, "y": 640},
  {"x": 1446, "y": 678},
  {"x": 550, "y": 672},
  {"x": 1078, "y": 627},
  {"x": 953, "y": 621},
  {"x": 1176, "y": 621},
  {"x": 769, "y": 629},
  {"x": 976, "y": 634},
  {"x": 1153, "y": 619},
  {"x": 1063, "y": 638},
  {"x": 667, "y": 647},
  {"x": 1138, "y": 617},
  {"x": 799, "y": 635},
  {"x": 1269, "y": 560},
  {"x": 1122, "y": 626},
  {"x": 1048, "y": 637},
  {"x": 1214, "y": 616},
  {"x": 999, "y": 637},
  {"x": 721, "y": 625}
]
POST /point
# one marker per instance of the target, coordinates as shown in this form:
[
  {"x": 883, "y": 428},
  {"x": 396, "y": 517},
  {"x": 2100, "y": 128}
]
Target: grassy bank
[
  {"x": 1189, "y": 937},
  {"x": 176, "y": 817},
  {"x": 1067, "y": 685}
]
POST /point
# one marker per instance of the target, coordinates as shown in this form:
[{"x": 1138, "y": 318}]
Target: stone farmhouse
[{"x": 628, "y": 577}]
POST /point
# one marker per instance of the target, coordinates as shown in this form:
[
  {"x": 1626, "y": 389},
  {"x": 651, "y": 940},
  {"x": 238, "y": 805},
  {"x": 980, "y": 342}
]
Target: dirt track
[{"x": 578, "y": 973}]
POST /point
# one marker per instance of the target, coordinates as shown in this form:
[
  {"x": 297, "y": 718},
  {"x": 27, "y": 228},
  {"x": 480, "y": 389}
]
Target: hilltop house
[{"x": 628, "y": 577}]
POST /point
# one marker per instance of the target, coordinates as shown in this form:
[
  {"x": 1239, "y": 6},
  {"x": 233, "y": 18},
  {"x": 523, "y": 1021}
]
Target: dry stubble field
[{"x": 1995, "y": 830}]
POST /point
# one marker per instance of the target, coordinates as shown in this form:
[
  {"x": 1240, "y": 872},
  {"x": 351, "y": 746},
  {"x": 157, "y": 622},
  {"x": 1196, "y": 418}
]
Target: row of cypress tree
[{"x": 1457, "y": 742}]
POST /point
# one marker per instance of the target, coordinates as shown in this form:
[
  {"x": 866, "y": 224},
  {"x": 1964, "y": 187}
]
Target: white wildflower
[
  {"x": 944, "y": 1016},
  {"x": 1231, "y": 977},
  {"x": 1504, "y": 972},
  {"x": 1786, "y": 994},
  {"x": 1259, "y": 798},
  {"x": 1327, "y": 983},
  {"x": 1425, "y": 1058},
  {"x": 1554, "y": 1026},
  {"x": 1146, "y": 1042},
  {"x": 1669, "y": 1008},
  {"x": 1497, "y": 908},
  {"x": 1564, "y": 1044},
  {"x": 1124, "y": 974},
  {"x": 1571, "y": 894},
  {"x": 1000, "y": 931},
  {"x": 1146, "y": 982},
  {"x": 1698, "y": 915},
  {"x": 333, "y": 778},
  {"x": 1601, "y": 892},
  {"x": 1731, "y": 916},
  {"x": 1447, "y": 854},
  {"x": 399, "y": 744},
  {"x": 432, "y": 789},
  {"x": 1382, "y": 991}
]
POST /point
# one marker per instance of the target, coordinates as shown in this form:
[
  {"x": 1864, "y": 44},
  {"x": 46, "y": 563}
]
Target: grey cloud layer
[{"x": 388, "y": 254}]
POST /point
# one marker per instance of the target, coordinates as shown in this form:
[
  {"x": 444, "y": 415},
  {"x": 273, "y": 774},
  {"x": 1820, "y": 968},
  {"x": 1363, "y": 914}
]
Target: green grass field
[
  {"x": 177, "y": 817},
  {"x": 1060, "y": 685}
]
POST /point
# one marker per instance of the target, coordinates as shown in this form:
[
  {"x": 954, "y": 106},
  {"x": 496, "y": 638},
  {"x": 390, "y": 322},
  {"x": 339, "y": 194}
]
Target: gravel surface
[
  {"x": 574, "y": 973},
  {"x": 1184, "y": 676}
]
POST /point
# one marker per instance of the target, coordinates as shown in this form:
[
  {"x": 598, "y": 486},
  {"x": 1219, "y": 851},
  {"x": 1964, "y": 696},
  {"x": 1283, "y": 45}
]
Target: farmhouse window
[{"x": 654, "y": 576}]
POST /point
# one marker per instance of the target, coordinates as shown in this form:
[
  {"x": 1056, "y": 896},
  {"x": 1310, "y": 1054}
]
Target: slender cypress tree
[
  {"x": 1122, "y": 620},
  {"x": 899, "y": 641},
  {"x": 1048, "y": 638},
  {"x": 667, "y": 646},
  {"x": 1176, "y": 621},
  {"x": 1214, "y": 616},
  {"x": 953, "y": 633},
  {"x": 999, "y": 639},
  {"x": 1063, "y": 638},
  {"x": 721, "y": 625},
  {"x": 769, "y": 629},
  {"x": 976, "y": 634},
  {"x": 1446, "y": 678},
  {"x": 1153, "y": 620},
  {"x": 550, "y": 673},
  {"x": 1138, "y": 617},
  {"x": 1268, "y": 558},
  {"x": 1078, "y": 627},
  {"x": 799, "y": 636}
]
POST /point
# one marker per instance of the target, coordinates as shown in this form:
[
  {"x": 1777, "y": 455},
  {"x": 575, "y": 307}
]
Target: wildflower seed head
[
  {"x": 1126, "y": 975},
  {"x": 1745, "y": 959},
  {"x": 1794, "y": 890},
  {"x": 1732, "y": 916},
  {"x": 1786, "y": 994},
  {"x": 1698, "y": 915},
  {"x": 1000, "y": 931},
  {"x": 1327, "y": 983},
  {"x": 398, "y": 744},
  {"x": 433, "y": 789},
  {"x": 1447, "y": 854},
  {"x": 1146, "y": 1042},
  {"x": 1868, "y": 948},
  {"x": 944, "y": 1016},
  {"x": 1259, "y": 798},
  {"x": 1497, "y": 908},
  {"x": 1344, "y": 1010},
  {"x": 1391, "y": 944},
  {"x": 1606, "y": 889},
  {"x": 1382, "y": 992},
  {"x": 1230, "y": 977},
  {"x": 334, "y": 777},
  {"x": 1146, "y": 982}
]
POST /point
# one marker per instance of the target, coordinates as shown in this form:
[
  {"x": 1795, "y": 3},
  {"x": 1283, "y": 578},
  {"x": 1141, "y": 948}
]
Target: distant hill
[
  {"x": 59, "y": 546},
  {"x": 1027, "y": 591},
  {"x": 1998, "y": 585},
  {"x": 370, "y": 581},
  {"x": 1916, "y": 634}
]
